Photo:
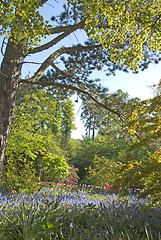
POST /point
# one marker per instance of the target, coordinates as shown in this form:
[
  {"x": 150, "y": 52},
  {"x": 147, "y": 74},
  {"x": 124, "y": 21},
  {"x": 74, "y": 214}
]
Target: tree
[
  {"x": 146, "y": 119},
  {"x": 114, "y": 140},
  {"x": 103, "y": 120},
  {"x": 90, "y": 117},
  {"x": 23, "y": 27},
  {"x": 67, "y": 122},
  {"x": 34, "y": 147},
  {"x": 102, "y": 146},
  {"x": 117, "y": 24},
  {"x": 145, "y": 173},
  {"x": 102, "y": 171},
  {"x": 110, "y": 146}
]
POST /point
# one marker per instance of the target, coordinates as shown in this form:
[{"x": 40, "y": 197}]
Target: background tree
[
  {"x": 116, "y": 149},
  {"x": 113, "y": 26},
  {"x": 102, "y": 171},
  {"x": 114, "y": 140},
  {"x": 107, "y": 122},
  {"x": 123, "y": 23},
  {"x": 146, "y": 119},
  {"x": 145, "y": 174},
  {"x": 33, "y": 146},
  {"x": 90, "y": 118},
  {"x": 141, "y": 175},
  {"x": 67, "y": 123}
]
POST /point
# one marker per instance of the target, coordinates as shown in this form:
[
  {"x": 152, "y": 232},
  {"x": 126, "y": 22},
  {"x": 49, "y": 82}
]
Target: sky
[{"x": 137, "y": 85}]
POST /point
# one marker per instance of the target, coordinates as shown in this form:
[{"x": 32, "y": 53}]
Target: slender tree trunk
[
  {"x": 10, "y": 75},
  {"x": 93, "y": 134},
  {"x": 57, "y": 108},
  {"x": 93, "y": 128}
]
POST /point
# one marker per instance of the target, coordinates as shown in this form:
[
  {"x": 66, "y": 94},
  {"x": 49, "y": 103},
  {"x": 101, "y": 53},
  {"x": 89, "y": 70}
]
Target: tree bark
[{"x": 10, "y": 76}]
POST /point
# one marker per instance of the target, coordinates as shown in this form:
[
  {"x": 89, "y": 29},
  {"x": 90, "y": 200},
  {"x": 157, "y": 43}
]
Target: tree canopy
[
  {"x": 125, "y": 27},
  {"x": 21, "y": 20}
]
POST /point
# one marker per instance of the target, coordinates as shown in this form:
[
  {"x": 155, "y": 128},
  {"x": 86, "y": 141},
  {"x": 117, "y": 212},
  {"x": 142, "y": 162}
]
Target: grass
[{"x": 55, "y": 213}]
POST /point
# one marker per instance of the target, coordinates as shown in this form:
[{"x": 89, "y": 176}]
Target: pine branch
[
  {"x": 61, "y": 72},
  {"x": 66, "y": 31},
  {"x": 61, "y": 29},
  {"x": 43, "y": 2},
  {"x": 49, "y": 62},
  {"x": 77, "y": 89},
  {"x": 69, "y": 87},
  {"x": 56, "y": 54},
  {"x": 85, "y": 92}
]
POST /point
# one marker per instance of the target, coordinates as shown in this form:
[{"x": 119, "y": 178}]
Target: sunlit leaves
[
  {"x": 54, "y": 167},
  {"x": 36, "y": 135},
  {"x": 21, "y": 21},
  {"x": 143, "y": 175},
  {"x": 124, "y": 27},
  {"x": 146, "y": 120},
  {"x": 102, "y": 171}
]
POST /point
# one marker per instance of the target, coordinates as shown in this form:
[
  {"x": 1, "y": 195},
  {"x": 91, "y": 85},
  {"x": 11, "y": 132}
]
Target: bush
[
  {"x": 101, "y": 171},
  {"x": 144, "y": 175},
  {"x": 19, "y": 175}
]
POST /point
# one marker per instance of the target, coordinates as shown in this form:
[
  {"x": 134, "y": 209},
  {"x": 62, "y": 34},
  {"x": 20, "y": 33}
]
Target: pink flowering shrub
[
  {"x": 72, "y": 178},
  {"x": 107, "y": 186}
]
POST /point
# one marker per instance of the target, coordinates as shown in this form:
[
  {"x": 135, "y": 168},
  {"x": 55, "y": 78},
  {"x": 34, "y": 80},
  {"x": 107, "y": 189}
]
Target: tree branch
[
  {"x": 89, "y": 94},
  {"x": 60, "y": 29},
  {"x": 33, "y": 62},
  {"x": 72, "y": 87},
  {"x": 61, "y": 72},
  {"x": 77, "y": 89},
  {"x": 43, "y": 2},
  {"x": 55, "y": 55},
  {"x": 49, "y": 61},
  {"x": 67, "y": 31},
  {"x": 3, "y": 42}
]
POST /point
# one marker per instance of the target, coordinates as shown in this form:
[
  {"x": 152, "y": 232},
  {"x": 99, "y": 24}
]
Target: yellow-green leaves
[
  {"x": 144, "y": 175},
  {"x": 102, "y": 171},
  {"x": 146, "y": 119},
  {"x": 124, "y": 27},
  {"x": 20, "y": 20}
]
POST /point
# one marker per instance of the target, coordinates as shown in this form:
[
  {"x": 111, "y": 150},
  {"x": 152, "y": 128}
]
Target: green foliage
[
  {"x": 67, "y": 124},
  {"x": 21, "y": 21},
  {"x": 73, "y": 150},
  {"x": 54, "y": 167},
  {"x": 111, "y": 146},
  {"x": 145, "y": 121},
  {"x": 102, "y": 146},
  {"x": 143, "y": 175},
  {"x": 19, "y": 175},
  {"x": 106, "y": 122},
  {"x": 102, "y": 171},
  {"x": 35, "y": 139},
  {"x": 41, "y": 125},
  {"x": 32, "y": 222},
  {"x": 124, "y": 27}
]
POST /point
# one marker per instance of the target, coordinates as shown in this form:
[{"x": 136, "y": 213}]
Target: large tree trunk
[{"x": 10, "y": 75}]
